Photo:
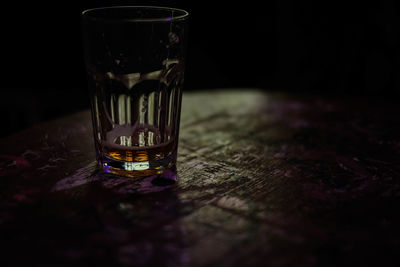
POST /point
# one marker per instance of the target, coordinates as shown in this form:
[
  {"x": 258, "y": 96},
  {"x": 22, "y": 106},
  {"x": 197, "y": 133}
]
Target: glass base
[{"x": 137, "y": 169}]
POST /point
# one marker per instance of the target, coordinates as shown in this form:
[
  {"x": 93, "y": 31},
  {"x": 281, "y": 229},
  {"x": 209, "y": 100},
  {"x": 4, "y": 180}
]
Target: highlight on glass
[{"x": 135, "y": 61}]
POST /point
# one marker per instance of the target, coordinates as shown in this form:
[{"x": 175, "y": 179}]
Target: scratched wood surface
[{"x": 264, "y": 180}]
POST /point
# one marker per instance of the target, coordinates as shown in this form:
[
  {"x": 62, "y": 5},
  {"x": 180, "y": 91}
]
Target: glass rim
[{"x": 182, "y": 16}]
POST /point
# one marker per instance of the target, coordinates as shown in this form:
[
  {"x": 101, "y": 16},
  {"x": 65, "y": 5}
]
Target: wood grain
[{"x": 264, "y": 180}]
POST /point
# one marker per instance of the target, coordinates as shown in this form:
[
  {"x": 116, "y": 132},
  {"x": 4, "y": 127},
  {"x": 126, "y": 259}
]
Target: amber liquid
[
  {"x": 139, "y": 158},
  {"x": 140, "y": 154}
]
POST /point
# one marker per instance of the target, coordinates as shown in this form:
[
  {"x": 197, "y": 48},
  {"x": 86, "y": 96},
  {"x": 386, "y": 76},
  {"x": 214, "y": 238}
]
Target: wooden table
[{"x": 264, "y": 180}]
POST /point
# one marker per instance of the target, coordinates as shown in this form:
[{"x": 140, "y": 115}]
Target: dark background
[{"x": 298, "y": 46}]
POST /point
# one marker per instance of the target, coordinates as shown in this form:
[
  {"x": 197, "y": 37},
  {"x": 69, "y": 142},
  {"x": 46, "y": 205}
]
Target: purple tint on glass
[{"x": 169, "y": 18}]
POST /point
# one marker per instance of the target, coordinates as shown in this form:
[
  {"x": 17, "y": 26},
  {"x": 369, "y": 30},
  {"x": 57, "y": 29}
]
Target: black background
[{"x": 311, "y": 47}]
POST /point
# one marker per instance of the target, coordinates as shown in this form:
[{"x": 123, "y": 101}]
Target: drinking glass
[{"x": 135, "y": 61}]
